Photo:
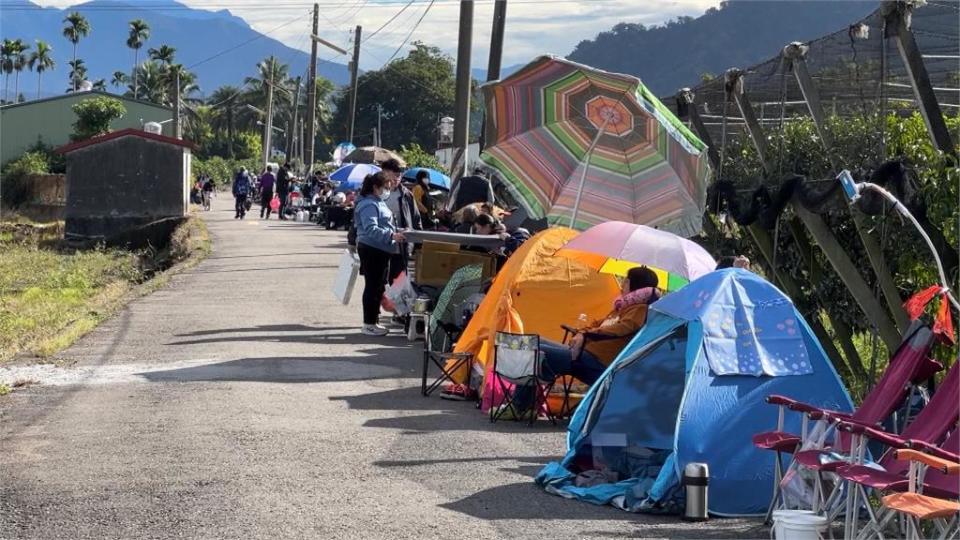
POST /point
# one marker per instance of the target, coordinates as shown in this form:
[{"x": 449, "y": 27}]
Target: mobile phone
[{"x": 850, "y": 188}]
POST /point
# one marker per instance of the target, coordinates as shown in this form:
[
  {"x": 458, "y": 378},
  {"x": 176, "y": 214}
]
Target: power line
[
  {"x": 412, "y": 30},
  {"x": 258, "y": 37},
  {"x": 397, "y": 14}
]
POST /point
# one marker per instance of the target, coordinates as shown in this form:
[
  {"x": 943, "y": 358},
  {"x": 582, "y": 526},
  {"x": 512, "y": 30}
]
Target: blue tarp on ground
[{"x": 691, "y": 387}]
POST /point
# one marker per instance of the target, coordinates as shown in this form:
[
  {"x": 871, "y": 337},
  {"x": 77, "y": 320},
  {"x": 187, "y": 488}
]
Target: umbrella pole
[{"x": 583, "y": 175}]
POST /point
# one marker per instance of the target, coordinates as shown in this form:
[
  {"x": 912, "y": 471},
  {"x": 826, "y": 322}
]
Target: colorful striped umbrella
[
  {"x": 583, "y": 146},
  {"x": 616, "y": 247}
]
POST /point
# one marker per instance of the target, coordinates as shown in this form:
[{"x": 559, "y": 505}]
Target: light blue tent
[{"x": 691, "y": 387}]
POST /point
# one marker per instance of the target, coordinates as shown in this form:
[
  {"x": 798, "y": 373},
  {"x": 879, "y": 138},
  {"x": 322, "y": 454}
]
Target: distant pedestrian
[
  {"x": 207, "y": 192},
  {"x": 267, "y": 181},
  {"x": 283, "y": 188},
  {"x": 377, "y": 241},
  {"x": 241, "y": 190}
]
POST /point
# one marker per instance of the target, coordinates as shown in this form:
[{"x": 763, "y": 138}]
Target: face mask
[{"x": 385, "y": 194}]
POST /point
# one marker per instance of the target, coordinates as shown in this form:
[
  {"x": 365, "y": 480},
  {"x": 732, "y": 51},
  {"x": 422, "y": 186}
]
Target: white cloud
[{"x": 534, "y": 27}]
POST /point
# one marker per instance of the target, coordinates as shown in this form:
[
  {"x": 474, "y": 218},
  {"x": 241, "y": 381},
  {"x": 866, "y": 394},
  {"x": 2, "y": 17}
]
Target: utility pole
[
  {"x": 354, "y": 69},
  {"x": 292, "y": 124},
  {"x": 496, "y": 54},
  {"x": 312, "y": 95},
  {"x": 379, "y": 126},
  {"x": 268, "y": 121},
  {"x": 177, "y": 110},
  {"x": 461, "y": 127}
]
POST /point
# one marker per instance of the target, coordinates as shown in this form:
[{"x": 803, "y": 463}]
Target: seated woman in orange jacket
[{"x": 593, "y": 348}]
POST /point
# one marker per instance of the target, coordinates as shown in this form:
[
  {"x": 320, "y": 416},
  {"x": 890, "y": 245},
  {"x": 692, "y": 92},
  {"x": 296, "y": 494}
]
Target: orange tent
[{"x": 534, "y": 293}]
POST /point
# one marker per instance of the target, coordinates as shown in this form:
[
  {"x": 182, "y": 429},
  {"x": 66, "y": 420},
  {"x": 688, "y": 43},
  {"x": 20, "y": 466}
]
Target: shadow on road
[
  {"x": 350, "y": 338},
  {"x": 264, "y": 328},
  {"x": 378, "y": 365}
]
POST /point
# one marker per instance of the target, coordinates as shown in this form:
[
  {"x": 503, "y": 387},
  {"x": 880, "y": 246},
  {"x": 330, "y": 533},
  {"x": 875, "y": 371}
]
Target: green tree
[
  {"x": 78, "y": 73},
  {"x": 139, "y": 33},
  {"x": 76, "y": 29},
  {"x": 164, "y": 54},
  {"x": 415, "y": 156},
  {"x": 94, "y": 116},
  {"x": 41, "y": 60},
  {"x": 225, "y": 103},
  {"x": 21, "y": 61},
  {"x": 100, "y": 84},
  {"x": 119, "y": 79},
  {"x": 6, "y": 65},
  {"x": 413, "y": 91}
]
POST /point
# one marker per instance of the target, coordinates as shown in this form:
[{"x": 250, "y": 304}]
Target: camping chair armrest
[
  {"x": 792, "y": 404},
  {"x": 832, "y": 416},
  {"x": 873, "y": 433},
  {"x": 569, "y": 329},
  {"x": 593, "y": 336},
  {"x": 942, "y": 465},
  {"x": 928, "y": 448}
]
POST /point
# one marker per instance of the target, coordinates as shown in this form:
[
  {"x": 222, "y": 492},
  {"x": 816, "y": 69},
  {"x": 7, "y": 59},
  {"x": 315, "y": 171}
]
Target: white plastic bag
[
  {"x": 346, "y": 276},
  {"x": 402, "y": 294}
]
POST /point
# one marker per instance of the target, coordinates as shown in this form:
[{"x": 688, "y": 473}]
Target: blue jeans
[{"x": 559, "y": 361}]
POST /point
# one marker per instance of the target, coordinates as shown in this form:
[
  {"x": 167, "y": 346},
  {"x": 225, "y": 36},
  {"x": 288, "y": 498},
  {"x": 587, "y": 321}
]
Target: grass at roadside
[{"x": 50, "y": 297}]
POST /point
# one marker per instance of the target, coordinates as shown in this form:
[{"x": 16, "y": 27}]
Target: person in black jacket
[
  {"x": 405, "y": 214},
  {"x": 283, "y": 188}
]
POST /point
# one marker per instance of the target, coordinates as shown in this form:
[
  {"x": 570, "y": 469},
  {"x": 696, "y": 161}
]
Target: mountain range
[
  {"x": 222, "y": 48},
  {"x": 196, "y": 34},
  {"x": 739, "y": 33}
]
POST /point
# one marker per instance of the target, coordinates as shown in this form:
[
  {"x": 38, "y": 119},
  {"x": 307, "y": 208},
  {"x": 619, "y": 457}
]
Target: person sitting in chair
[{"x": 594, "y": 347}]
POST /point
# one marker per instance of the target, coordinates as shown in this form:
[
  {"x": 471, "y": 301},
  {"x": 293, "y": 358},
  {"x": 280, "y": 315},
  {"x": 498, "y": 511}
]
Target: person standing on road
[
  {"x": 405, "y": 214},
  {"x": 241, "y": 190},
  {"x": 207, "y": 192},
  {"x": 267, "y": 181},
  {"x": 377, "y": 242},
  {"x": 283, "y": 188}
]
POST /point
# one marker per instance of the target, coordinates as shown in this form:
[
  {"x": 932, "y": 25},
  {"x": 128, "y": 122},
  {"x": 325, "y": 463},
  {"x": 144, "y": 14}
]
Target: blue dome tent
[{"x": 691, "y": 387}]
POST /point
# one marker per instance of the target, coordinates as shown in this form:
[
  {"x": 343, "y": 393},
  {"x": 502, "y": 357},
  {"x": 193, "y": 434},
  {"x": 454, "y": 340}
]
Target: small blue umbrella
[
  {"x": 351, "y": 176},
  {"x": 437, "y": 178}
]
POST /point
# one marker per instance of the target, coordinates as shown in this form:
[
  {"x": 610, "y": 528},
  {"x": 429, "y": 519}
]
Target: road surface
[{"x": 241, "y": 401}]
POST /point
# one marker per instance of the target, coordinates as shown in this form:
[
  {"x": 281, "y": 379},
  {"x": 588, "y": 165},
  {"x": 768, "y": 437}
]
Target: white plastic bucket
[{"x": 798, "y": 525}]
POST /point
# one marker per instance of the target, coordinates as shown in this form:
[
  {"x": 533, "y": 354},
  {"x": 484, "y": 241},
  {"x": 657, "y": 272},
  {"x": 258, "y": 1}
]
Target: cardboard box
[{"x": 437, "y": 262}]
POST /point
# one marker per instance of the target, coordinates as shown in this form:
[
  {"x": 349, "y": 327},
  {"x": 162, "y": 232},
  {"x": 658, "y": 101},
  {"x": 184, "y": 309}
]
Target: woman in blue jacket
[{"x": 377, "y": 240}]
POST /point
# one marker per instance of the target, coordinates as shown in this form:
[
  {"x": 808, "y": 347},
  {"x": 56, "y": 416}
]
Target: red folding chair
[{"x": 909, "y": 366}]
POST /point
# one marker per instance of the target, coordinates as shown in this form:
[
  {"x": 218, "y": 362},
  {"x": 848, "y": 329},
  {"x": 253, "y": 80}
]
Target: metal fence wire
[{"x": 847, "y": 68}]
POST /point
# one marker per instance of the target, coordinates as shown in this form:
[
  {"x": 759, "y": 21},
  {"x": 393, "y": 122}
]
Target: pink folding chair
[
  {"x": 909, "y": 366},
  {"x": 938, "y": 418}
]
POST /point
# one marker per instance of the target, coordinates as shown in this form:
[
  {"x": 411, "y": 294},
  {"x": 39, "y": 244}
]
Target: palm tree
[
  {"x": 149, "y": 83},
  {"x": 188, "y": 81},
  {"x": 119, "y": 79},
  {"x": 164, "y": 54},
  {"x": 19, "y": 59},
  {"x": 76, "y": 29},
  {"x": 6, "y": 65},
  {"x": 100, "y": 84},
  {"x": 139, "y": 33},
  {"x": 226, "y": 104},
  {"x": 41, "y": 60},
  {"x": 78, "y": 72}
]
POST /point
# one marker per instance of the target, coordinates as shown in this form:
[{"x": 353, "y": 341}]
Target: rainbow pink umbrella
[{"x": 615, "y": 247}]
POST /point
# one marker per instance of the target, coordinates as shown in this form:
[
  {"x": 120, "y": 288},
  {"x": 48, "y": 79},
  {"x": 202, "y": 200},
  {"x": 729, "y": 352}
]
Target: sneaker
[
  {"x": 374, "y": 330},
  {"x": 506, "y": 412},
  {"x": 458, "y": 392}
]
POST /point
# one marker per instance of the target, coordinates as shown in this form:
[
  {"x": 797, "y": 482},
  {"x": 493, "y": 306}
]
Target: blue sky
[{"x": 533, "y": 26}]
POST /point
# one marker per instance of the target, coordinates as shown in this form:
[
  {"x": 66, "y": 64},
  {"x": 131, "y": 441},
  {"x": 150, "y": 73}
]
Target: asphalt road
[{"x": 241, "y": 401}]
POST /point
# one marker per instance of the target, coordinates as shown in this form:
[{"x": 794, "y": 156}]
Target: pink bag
[{"x": 275, "y": 203}]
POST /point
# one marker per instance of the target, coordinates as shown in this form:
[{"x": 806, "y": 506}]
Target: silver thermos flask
[{"x": 696, "y": 477}]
